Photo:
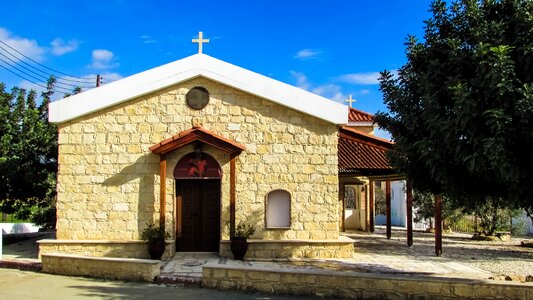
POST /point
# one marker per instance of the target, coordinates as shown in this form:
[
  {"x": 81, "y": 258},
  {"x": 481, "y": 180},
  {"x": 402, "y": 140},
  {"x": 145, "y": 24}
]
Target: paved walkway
[{"x": 373, "y": 254}]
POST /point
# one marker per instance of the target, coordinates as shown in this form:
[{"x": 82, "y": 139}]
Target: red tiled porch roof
[
  {"x": 355, "y": 115},
  {"x": 362, "y": 153},
  {"x": 197, "y": 133}
]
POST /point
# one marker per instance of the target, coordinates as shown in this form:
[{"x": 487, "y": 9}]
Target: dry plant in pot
[
  {"x": 155, "y": 236},
  {"x": 239, "y": 245}
]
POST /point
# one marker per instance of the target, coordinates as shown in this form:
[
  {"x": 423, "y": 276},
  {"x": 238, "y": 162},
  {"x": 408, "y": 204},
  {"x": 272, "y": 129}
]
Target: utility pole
[{"x": 98, "y": 80}]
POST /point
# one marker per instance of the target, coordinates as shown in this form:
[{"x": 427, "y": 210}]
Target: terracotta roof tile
[
  {"x": 196, "y": 133},
  {"x": 355, "y": 115},
  {"x": 359, "y": 152}
]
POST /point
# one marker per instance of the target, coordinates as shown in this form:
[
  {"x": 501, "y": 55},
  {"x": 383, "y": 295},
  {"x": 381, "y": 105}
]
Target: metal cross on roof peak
[
  {"x": 200, "y": 40},
  {"x": 350, "y": 100}
]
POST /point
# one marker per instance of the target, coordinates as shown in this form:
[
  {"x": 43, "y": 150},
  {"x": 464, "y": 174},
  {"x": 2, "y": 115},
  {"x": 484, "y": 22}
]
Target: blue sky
[{"x": 333, "y": 48}]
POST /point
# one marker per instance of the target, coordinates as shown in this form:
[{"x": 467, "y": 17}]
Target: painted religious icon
[{"x": 197, "y": 167}]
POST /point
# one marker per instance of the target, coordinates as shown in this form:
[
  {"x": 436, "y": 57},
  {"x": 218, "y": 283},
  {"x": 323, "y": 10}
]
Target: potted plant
[
  {"x": 155, "y": 236},
  {"x": 239, "y": 245}
]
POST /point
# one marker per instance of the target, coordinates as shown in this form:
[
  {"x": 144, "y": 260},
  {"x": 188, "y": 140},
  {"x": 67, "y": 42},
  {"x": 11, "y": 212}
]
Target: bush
[{"x": 44, "y": 217}]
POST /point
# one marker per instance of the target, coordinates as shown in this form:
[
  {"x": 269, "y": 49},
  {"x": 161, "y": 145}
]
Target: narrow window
[{"x": 278, "y": 209}]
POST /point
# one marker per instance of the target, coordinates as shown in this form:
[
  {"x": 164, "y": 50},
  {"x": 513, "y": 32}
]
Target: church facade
[{"x": 200, "y": 146}]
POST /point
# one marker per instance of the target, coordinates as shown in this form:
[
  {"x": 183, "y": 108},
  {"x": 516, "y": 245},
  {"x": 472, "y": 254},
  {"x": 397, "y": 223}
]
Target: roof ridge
[{"x": 197, "y": 65}]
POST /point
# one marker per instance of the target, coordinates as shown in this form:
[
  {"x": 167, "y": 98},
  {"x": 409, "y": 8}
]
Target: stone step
[
  {"x": 21, "y": 265},
  {"x": 181, "y": 280}
]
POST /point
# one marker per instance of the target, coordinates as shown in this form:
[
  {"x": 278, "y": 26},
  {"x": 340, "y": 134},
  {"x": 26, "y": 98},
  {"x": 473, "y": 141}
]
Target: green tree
[
  {"x": 461, "y": 108},
  {"x": 28, "y": 155},
  {"x": 425, "y": 205},
  {"x": 6, "y": 137}
]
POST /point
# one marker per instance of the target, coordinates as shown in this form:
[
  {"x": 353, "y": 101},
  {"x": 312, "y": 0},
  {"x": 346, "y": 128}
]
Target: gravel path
[{"x": 499, "y": 258}]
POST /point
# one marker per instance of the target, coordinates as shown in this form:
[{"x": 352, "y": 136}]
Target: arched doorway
[
  {"x": 198, "y": 185},
  {"x": 354, "y": 206}
]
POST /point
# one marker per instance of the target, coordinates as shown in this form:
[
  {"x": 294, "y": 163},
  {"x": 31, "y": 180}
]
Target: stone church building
[{"x": 199, "y": 145}]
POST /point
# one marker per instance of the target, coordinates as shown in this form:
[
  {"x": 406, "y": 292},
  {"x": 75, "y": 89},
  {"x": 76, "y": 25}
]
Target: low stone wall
[
  {"x": 359, "y": 285},
  {"x": 259, "y": 249},
  {"x": 102, "y": 248},
  {"x": 130, "y": 269}
]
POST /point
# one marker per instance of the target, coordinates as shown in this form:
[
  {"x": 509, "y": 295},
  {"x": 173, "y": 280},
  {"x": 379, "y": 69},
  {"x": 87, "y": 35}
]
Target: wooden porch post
[
  {"x": 371, "y": 204},
  {"x": 367, "y": 221},
  {"x": 232, "y": 167},
  {"x": 438, "y": 225},
  {"x": 409, "y": 200},
  {"x": 162, "y": 189},
  {"x": 388, "y": 206},
  {"x": 343, "y": 203}
]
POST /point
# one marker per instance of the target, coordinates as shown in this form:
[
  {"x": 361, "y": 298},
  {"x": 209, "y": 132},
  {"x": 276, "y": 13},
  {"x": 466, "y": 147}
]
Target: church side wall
[{"x": 108, "y": 180}]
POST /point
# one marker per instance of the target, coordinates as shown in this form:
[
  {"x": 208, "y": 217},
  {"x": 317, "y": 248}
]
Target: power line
[
  {"x": 38, "y": 84},
  {"x": 33, "y": 69},
  {"x": 40, "y": 78},
  {"x": 79, "y": 79}
]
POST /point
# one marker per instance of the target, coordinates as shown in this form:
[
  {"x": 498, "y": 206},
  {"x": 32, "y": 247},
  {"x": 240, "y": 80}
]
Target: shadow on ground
[{"x": 24, "y": 246}]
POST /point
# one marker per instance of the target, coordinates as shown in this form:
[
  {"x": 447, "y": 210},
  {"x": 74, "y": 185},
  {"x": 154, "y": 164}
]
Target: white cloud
[
  {"x": 59, "y": 47},
  {"x": 102, "y": 55},
  {"x": 147, "y": 39},
  {"x": 105, "y": 78},
  {"x": 27, "y": 85},
  {"x": 102, "y": 59},
  {"x": 330, "y": 91},
  {"x": 110, "y": 77},
  {"x": 62, "y": 89},
  {"x": 370, "y": 78},
  {"x": 306, "y": 54},
  {"x": 59, "y": 92},
  {"x": 301, "y": 80},
  {"x": 364, "y": 92},
  {"x": 29, "y": 48}
]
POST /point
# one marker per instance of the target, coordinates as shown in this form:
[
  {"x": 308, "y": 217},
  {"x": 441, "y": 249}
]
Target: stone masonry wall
[
  {"x": 354, "y": 285},
  {"x": 130, "y": 269},
  {"x": 108, "y": 181},
  {"x": 102, "y": 248},
  {"x": 259, "y": 249}
]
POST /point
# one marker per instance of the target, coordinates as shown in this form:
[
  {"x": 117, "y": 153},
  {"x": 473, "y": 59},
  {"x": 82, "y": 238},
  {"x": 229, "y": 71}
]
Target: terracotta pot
[
  {"x": 156, "y": 248},
  {"x": 239, "y": 247}
]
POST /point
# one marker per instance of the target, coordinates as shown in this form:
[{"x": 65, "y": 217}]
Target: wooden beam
[
  {"x": 342, "y": 194},
  {"x": 162, "y": 189},
  {"x": 409, "y": 204},
  {"x": 371, "y": 204},
  {"x": 438, "y": 225},
  {"x": 388, "y": 206},
  {"x": 232, "y": 196}
]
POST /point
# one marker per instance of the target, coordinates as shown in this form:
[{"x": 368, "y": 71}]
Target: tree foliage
[
  {"x": 28, "y": 154},
  {"x": 425, "y": 209},
  {"x": 461, "y": 108}
]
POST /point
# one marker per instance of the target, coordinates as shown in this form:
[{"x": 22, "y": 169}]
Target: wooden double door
[{"x": 198, "y": 215}]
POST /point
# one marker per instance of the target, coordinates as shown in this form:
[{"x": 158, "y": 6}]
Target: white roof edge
[
  {"x": 188, "y": 68},
  {"x": 360, "y": 123}
]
